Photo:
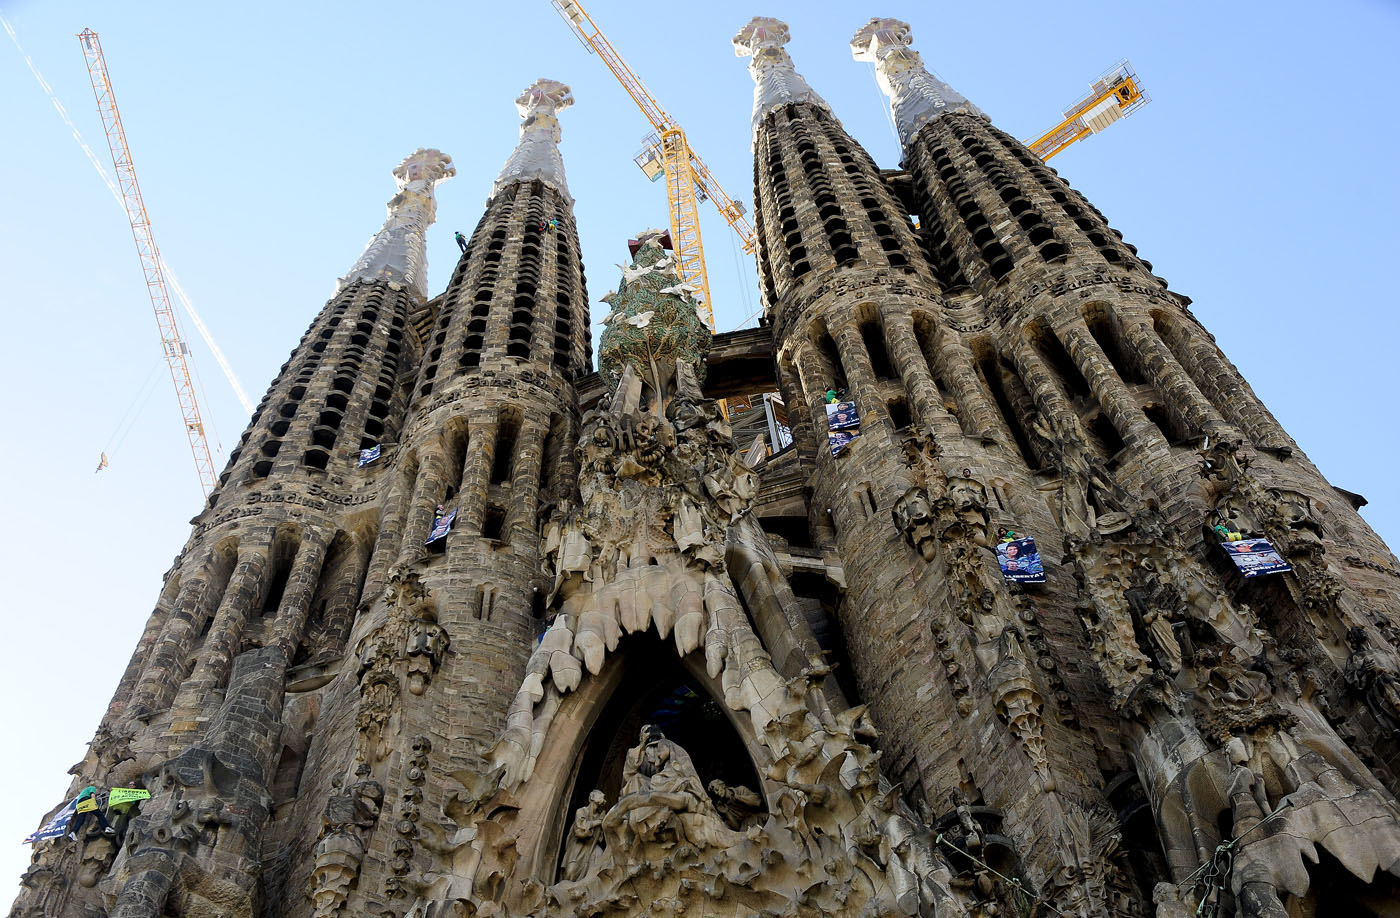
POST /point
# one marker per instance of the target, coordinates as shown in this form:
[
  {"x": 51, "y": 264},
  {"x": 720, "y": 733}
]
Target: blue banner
[
  {"x": 56, "y": 826},
  {"x": 840, "y": 439},
  {"x": 842, "y": 415},
  {"x": 367, "y": 456},
  {"x": 1255, "y": 557},
  {"x": 1019, "y": 560},
  {"x": 441, "y": 526}
]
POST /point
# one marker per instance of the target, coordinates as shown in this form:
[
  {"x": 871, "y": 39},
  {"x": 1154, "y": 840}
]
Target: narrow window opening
[
  {"x": 870, "y": 333},
  {"x": 1161, "y": 417},
  {"x": 1104, "y": 334},
  {"x": 1054, "y": 352},
  {"x": 493, "y": 524},
  {"x": 899, "y": 413},
  {"x": 992, "y": 375},
  {"x": 504, "y": 456},
  {"x": 1107, "y": 435},
  {"x": 832, "y": 359}
]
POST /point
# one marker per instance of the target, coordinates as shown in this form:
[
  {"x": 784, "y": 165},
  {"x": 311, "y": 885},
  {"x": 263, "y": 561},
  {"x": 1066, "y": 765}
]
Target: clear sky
[{"x": 1259, "y": 182}]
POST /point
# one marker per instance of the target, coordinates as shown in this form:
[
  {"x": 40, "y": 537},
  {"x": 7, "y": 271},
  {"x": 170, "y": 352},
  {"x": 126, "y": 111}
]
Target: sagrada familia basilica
[{"x": 1018, "y": 603}]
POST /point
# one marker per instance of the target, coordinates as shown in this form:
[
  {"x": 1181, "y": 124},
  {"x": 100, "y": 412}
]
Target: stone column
[
  {"x": 525, "y": 483},
  {"x": 1049, "y": 400},
  {"x": 909, "y": 362},
  {"x": 290, "y": 623},
  {"x": 1112, "y": 394},
  {"x": 1178, "y": 392},
  {"x": 860, "y": 375},
  {"x": 166, "y": 665},
  {"x": 155, "y": 626},
  {"x": 799, "y": 420},
  {"x": 242, "y": 594},
  {"x": 427, "y": 492},
  {"x": 1232, "y": 393},
  {"x": 476, "y": 475},
  {"x": 341, "y": 597},
  {"x": 955, "y": 361},
  {"x": 386, "y": 543}
]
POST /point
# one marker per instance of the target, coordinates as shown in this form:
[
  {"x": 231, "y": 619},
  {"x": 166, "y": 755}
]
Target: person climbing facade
[
  {"x": 461, "y": 241},
  {"x": 87, "y": 803}
]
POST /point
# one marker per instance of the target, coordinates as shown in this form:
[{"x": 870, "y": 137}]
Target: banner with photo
[
  {"x": 842, "y": 416},
  {"x": 840, "y": 439},
  {"x": 1020, "y": 562},
  {"x": 441, "y": 527},
  {"x": 1256, "y": 557},
  {"x": 367, "y": 456},
  {"x": 55, "y": 827},
  {"x": 842, "y": 424}
]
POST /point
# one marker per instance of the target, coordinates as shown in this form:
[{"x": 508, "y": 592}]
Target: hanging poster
[
  {"x": 441, "y": 526},
  {"x": 367, "y": 456},
  {"x": 842, "y": 416},
  {"x": 840, "y": 439},
  {"x": 120, "y": 795},
  {"x": 1255, "y": 557},
  {"x": 1020, "y": 561},
  {"x": 55, "y": 827}
]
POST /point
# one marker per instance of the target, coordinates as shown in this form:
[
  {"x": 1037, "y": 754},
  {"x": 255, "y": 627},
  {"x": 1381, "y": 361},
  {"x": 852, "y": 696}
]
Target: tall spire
[
  {"x": 916, "y": 96},
  {"x": 775, "y": 80},
  {"x": 536, "y": 156},
  {"x": 398, "y": 253}
]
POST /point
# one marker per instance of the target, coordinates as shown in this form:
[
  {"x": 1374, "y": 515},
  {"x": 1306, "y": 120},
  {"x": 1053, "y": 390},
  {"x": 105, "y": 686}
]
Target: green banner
[{"x": 120, "y": 795}]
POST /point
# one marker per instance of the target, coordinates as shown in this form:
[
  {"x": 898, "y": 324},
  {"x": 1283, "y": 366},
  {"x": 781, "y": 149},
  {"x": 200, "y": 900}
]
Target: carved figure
[
  {"x": 585, "y": 837},
  {"x": 914, "y": 517},
  {"x": 662, "y": 797},
  {"x": 737, "y": 805},
  {"x": 1373, "y": 676},
  {"x": 427, "y": 642}
]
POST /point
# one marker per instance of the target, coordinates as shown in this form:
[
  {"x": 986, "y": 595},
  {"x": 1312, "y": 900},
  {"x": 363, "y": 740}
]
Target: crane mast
[
  {"x": 172, "y": 343},
  {"x": 668, "y": 153}
]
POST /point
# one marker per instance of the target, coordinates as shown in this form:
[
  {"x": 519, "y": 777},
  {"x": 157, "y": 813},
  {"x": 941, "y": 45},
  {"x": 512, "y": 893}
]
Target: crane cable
[
  {"x": 132, "y": 413},
  {"x": 180, "y": 294}
]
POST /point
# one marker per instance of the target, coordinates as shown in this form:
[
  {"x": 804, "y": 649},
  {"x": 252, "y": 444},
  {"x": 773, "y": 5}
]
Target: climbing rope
[
  {"x": 1021, "y": 894},
  {"x": 1213, "y": 877}
]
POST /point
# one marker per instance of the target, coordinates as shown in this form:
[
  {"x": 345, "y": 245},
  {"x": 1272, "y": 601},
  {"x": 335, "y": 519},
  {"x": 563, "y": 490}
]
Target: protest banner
[
  {"x": 55, "y": 827},
  {"x": 441, "y": 527},
  {"x": 1019, "y": 560},
  {"x": 1256, "y": 557}
]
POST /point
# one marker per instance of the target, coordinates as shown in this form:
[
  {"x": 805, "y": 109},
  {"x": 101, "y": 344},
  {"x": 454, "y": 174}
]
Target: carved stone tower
[{"x": 469, "y": 628}]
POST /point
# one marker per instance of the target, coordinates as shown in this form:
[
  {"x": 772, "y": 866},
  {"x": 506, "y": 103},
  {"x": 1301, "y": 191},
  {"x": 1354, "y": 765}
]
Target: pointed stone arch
[{"x": 547, "y": 800}]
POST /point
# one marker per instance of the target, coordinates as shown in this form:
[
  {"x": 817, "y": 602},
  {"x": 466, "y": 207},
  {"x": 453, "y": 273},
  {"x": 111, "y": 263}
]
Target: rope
[
  {"x": 1015, "y": 884},
  {"x": 885, "y": 106},
  {"x": 1215, "y": 873},
  {"x": 132, "y": 413},
  {"x": 739, "y": 274}
]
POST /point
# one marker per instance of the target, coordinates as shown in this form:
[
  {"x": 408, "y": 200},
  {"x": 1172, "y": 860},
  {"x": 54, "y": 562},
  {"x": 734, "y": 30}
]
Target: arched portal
[
  {"x": 657, "y": 689},
  {"x": 597, "y": 724}
]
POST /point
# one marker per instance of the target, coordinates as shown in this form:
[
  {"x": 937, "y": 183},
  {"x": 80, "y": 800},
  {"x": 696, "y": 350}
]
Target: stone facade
[{"x": 565, "y": 648}]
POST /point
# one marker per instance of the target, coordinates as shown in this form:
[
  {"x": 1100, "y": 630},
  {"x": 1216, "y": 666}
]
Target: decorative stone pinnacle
[
  {"x": 398, "y": 252},
  {"x": 776, "y": 81},
  {"x": 537, "y": 155},
  {"x": 916, "y": 96}
]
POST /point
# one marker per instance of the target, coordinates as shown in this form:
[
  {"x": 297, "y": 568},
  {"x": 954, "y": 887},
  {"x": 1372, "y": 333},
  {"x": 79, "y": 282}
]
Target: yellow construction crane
[
  {"x": 173, "y": 345},
  {"x": 666, "y": 153},
  {"x": 1113, "y": 96}
]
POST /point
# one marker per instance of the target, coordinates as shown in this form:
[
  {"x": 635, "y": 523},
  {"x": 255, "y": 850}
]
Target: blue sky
[{"x": 1258, "y": 182}]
